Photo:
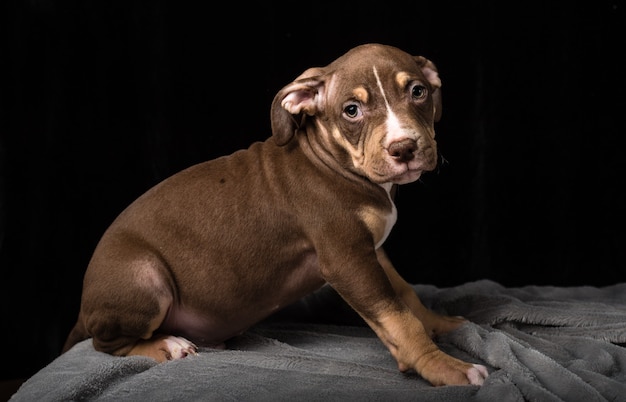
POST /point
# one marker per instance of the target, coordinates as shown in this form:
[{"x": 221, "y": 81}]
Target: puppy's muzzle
[{"x": 403, "y": 151}]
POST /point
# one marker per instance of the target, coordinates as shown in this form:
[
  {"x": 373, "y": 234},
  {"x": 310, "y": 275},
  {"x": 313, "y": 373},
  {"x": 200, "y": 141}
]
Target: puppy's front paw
[
  {"x": 477, "y": 374},
  {"x": 440, "y": 368},
  {"x": 436, "y": 324}
]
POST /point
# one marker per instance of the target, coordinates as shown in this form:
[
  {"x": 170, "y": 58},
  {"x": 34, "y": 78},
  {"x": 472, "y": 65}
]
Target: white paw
[
  {"x": 477, "y": 375},
  {"x": 179, "y": 347}
]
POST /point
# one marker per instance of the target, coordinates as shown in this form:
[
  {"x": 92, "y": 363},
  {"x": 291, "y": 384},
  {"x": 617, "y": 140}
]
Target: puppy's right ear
[{"x": 294, "y": 102}]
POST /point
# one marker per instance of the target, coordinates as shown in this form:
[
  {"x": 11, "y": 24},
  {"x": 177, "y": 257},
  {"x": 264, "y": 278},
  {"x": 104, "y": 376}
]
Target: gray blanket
[{"x": 540, "y": 344}]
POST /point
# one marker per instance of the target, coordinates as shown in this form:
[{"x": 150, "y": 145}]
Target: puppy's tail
[{"x": 77, "y": 334}]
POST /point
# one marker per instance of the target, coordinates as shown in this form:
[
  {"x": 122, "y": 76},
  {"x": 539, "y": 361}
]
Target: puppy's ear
[
  {"x": 294, "y": 102},
  {"x": 430, "y": 71}
]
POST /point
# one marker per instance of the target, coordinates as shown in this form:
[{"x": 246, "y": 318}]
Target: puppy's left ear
[
  {"x": 430, "y": 71},
  {"x": 294, "y": 102}
]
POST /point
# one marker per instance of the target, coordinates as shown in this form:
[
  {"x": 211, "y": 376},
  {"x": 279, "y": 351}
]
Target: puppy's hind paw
[
  {"x": 178, "y": 347},
  {"x": 164, "y": 347},
  {"x": 477, "y": 374}
]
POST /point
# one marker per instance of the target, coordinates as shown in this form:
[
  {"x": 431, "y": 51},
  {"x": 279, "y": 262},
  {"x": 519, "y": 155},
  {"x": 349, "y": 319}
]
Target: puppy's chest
[{"x": 379, "y": 221}]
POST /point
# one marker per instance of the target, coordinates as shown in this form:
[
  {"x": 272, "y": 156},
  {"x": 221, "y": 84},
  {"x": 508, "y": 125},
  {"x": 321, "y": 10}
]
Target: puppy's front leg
[
  {"x": 434, "y": 323},
  {"x": 399, "y": 328}
]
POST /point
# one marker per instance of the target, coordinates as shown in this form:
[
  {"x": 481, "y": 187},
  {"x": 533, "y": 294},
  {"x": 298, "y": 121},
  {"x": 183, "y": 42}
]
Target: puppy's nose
[{"x": 402, "y": 151}]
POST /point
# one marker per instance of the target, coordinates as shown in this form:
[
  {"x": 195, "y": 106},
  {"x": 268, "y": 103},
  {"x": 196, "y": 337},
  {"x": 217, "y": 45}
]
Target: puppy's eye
[
  {"x": 419, "y": 91},
  {"x": 352, "y": 111}
]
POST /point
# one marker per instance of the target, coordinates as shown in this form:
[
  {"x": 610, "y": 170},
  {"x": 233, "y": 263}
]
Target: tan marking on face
[
  {"x": 355, "y": 154},
  {"x": 402, "y": 79},
  {"x": 379, "y": 222},
  {"x": 361, "y": 94}
]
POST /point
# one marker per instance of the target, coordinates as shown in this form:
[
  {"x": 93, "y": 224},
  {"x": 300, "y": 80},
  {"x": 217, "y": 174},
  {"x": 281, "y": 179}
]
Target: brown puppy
[{"x": 214, "y": 249}]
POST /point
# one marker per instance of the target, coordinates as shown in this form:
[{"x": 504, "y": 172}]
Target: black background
[{"x": 103, "y": 99}]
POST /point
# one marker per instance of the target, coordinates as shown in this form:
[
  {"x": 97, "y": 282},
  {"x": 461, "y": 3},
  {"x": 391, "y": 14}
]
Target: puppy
[{"x": 216, "y": 248}]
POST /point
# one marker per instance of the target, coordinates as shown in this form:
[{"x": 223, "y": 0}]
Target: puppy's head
[{"x": 373, "y": 110}]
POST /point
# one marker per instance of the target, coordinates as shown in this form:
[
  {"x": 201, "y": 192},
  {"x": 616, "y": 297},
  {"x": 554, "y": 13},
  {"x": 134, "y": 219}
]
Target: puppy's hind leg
[{"x": 126, "y": 298}]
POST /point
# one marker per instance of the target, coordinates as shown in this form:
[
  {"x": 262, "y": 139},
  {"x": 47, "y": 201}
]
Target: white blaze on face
[{"x": 394, "y": 128}]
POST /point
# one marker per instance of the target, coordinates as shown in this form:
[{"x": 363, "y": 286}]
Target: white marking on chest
[
  {"x": 379, "y": 222},
  {"x": 393, "y": 215},
  {"x": 394, "y": 128}
]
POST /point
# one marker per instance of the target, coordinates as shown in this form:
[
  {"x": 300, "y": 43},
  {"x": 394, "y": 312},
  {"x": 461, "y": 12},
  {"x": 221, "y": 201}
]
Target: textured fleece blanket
[{"x": 540, "y": 344}]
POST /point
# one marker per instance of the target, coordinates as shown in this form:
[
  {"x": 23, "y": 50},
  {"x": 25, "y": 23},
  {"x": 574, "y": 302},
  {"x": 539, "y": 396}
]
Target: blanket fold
[{"x": 540, "y": 343}]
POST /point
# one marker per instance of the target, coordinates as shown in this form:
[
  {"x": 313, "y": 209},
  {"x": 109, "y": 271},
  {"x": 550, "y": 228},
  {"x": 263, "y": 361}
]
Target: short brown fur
[{"x": 216, "y": 248}]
